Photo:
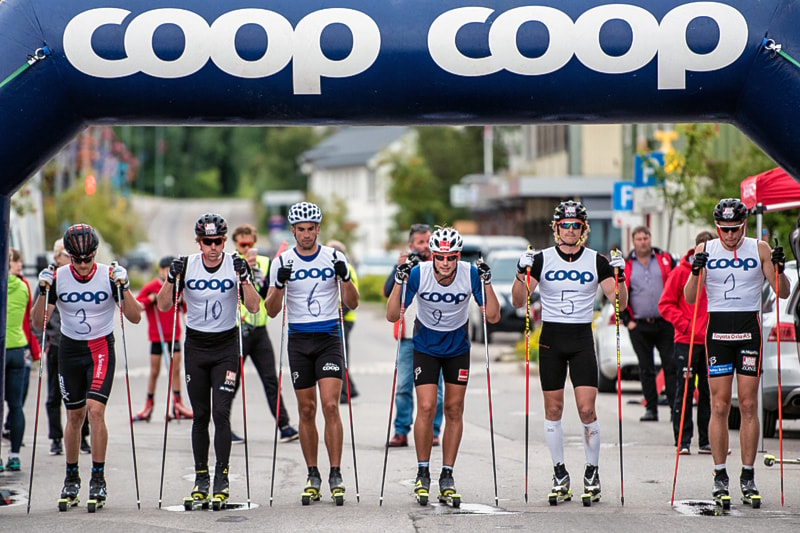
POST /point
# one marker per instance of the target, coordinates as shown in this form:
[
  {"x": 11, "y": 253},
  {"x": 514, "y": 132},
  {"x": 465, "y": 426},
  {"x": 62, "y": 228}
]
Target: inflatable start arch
[{"x": 66, "y": 65}]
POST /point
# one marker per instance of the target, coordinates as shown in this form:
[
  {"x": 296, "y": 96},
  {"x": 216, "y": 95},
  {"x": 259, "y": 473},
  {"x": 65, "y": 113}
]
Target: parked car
[
  {"x": 790, "y": 365},
  {"x": 141, "y": 257},
  {"x": 504, "y": 268},
  {"x": 476, "y": 246},
  {"x": 605, "y": 347},
  {"x": 378, "y": 264}
]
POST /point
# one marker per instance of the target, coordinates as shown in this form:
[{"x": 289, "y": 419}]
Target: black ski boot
[
  {"x": 750, "y": 493},
  {"x": 70, "y": 492},
  {"x": 591, "y": 485},
  {"x": 447, "y": 489},
  {"x": 221, "y": 487},
  {"x": 313, "y": 486},
  {"x": 202, "y": 485},
  {"x": 422, "y": 485},
  {"x": 97, "y": 490},
  {"x": 561, "y": 491},
  {"x": 337, "y": 485},
  {"x": 720, "y": 490}
]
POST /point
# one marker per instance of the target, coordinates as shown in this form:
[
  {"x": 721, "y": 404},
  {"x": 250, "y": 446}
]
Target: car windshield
[{"x": 504, "y": 269}]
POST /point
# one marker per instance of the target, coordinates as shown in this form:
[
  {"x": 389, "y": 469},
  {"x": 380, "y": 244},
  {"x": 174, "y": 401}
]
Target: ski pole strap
[
  {"x": 38, "y": 55},
  {"x": 777, "y": 49}
]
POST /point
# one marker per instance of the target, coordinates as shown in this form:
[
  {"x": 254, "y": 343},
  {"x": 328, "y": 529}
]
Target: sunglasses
[
  {"x": 448, "y": 258},
  {"x": 570, "y": 225},
  {"x": 249, "y": 244},
  {"x": 79, "y": 260},
  {"x": 209, "y": 242},
  {"x": 730, "y": 229}
]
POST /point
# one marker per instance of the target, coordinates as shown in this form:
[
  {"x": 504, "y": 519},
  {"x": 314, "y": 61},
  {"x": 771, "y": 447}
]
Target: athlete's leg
[
  {"x": 97, "y": 421},
  {"x": 329, "y": 391},
  {"x": 439, "y": 415},
  {"x": 454, "y": 421},
  {"x": 423, "y": 425},
  {"x": 307, "y": 427},
  {"x": 198, "y": 387},
  {"x": 72, "y": 433},
  {"x": 224, "y": 375},
  {"x": 720, "y": 387},
  {"x": 747, "y": 388}
]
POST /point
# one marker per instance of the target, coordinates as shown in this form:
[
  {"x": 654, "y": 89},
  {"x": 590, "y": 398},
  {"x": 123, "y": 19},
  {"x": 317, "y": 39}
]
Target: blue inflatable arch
[{"x": 67, "y": 65}]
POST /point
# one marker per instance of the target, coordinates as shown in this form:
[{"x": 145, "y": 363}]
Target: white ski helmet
[
  {"x": 446, "y": 240},
  {"x": 304, "y": 212}
]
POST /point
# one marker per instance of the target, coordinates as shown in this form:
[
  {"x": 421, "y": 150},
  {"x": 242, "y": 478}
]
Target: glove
[
  {"x": 120, "y": 277},
  {"x": 414, "y": 258},
  {"x": 46, "y": 277},
  {"x": 175, "y": 269},
  {"x": 340, "y": 267},
  {"x": 699, "y": 263},
  {"x": 284, "y": 273},
  {"x": 616, "y": 260},
  {"x": 778, "y": 258},
  {"x": 485, "y": 273},
  {"x": 401, "y": 275},
  {"x": 242, "y": 268},
  {"x": 525, "y": 261}
]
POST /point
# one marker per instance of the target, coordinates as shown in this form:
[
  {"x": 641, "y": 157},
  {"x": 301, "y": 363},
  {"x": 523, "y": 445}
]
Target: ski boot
[
  {"x": 447, "y": 489},
  {"x": 337, "y": 485},
  {"x": 97, "y": 491},
  {"x": 199, "y": 497},
  {"x": 719, "y": 492},
  {"x": 69, "y": 494},
  {"x": 422, "y": 486},
  {"x": 145, "y": 413},
  {"x": 313, "y": 486},
  {"x": 179, "y": 410},
  {"x": 221, "y": 488},
  {"x": 591, "y": 486},
  {"x": 750, "y": 493},
  {"x": 561, "y": 491}
]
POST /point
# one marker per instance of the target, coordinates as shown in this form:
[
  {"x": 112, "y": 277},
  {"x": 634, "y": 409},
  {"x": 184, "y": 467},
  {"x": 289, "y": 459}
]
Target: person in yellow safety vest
[
  {"x": 349, "y": 322},
  {"x": 255, "y": 339}
]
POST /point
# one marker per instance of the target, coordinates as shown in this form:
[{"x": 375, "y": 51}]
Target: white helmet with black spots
[
  {"x": 446, "y": 240},
  {"x": 304, "y": 212}
]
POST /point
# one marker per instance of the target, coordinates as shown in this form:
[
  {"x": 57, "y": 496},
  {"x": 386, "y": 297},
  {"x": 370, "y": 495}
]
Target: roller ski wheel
[
  {"x": 753, "y": 501},
  {"x": 559, "y": 496},
  {"x": 311, "y": 492},
  {"x": 422, "y": 486},
  {"x": 722, "y": 504},
  {"x": 337, "y": 495},
  {"x": 65, "y": 504},
  {"x": 336, "y": 484},
  {"x": 70, "y": 492},
  {"x": 591, "y": 486},
  {"x": 193, "y": 504},
  {"x": 422, "y": 496},
  {"x": 750, "y": 494},
  {"x": 219, "y": 503},
  {"x": 770, "y": 460},
  {"x": 590, "y": 497},
  {"x": 451, "y": 498},
  {"x": 94, "y": 505}
]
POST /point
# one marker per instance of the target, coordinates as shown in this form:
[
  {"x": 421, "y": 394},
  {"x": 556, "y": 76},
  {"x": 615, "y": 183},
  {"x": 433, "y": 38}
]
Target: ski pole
[
  {"x": 619, "y": 387},
  {"x": 280, "y": 378},
  {"x": 527, "y": 368},
  {"x": 394, "y": 384},
  {"x": 38, "y": 396},
  {"x": 169, "y": 388},
  {"x": 128, "y": 388},
  {"x": 241, "y": 376},
  {"x": 780, "y": 395},
  {"x": 489, "y": 386},
  {"x": 347, "y": 382},
  {"x": 161, "y": 339},
  {"x": 685, "y": 389}
]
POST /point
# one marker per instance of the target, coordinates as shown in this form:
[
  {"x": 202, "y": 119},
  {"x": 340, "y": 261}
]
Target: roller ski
[
  {"x": 561, "y": 491},
  {"x": 750, "y": 494},
  {"x": 722, "y": 499},
  {"x": 97, "y": 492},
  {"x": 337, "y": 486},
  {"x": 70, "y": 493},
  {"x": 311, "y": 493},
  {"x": 221, "y": 489},
  {"x": 422, "y": 486},
  {"x": 770, "y": 460},
  {"x": 591, "y": 486},
  {"x": 199, "y": 498},
  {"x": 447, "y": 490}
]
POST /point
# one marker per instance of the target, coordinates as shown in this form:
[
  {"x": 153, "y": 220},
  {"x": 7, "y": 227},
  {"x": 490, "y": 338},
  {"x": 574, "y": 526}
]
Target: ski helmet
[
  {"x": 446, "y": 240},
  {"x": 304, "y": 212},
  {"x": 730, "y": 210},
  {"x": 210, "y": 225},
  {"x": 570, "y": 209},
  {"x": 80, "y": 240}
]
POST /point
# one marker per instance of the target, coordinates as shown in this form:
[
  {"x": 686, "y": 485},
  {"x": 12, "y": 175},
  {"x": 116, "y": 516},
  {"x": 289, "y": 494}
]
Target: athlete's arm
[
  {"x": 349, "y": 294},
  {"x": 166, "y": 296},
  {"x": 393, "y": 304},
  {"x": 765, "y": 255},
  {"x": 690, "y": 289},
  {"x": 250, "y": 298},
  {"x": 607, "y": 282},
  {"x": 519, "y": 292},
  {"x": 37, "y": 311},
  {"x": 492, "y": 306}
]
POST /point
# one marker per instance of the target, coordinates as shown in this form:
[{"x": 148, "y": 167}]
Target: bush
[{"x": 370, "y": 288}]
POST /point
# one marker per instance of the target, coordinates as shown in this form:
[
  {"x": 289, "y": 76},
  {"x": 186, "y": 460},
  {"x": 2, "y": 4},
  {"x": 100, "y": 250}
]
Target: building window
[{"x": 551, "y": 139}]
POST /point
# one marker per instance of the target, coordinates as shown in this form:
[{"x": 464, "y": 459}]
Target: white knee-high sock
[
  {"x": 591, "y": 442},
  {"x": 554, "y": 438}
]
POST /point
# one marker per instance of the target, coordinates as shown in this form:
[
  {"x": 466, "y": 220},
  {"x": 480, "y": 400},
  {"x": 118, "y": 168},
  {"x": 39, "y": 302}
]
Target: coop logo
[
  {"x": 582, "y": 38},
  {"x": 86, "y": 297},
  {"x": 448, "y": 297},
  {"x": 313, "y": 273},
  {"x": 300, "y": 45},
  {"x": 745, "y": 264},
  {"x": 569, "y": 275},
  {"x": 220, "y": 285}
]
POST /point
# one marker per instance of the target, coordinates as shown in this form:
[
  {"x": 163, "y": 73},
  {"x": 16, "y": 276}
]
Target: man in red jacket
[
  {"x": 646, "y": 271},
  {"x": 675, "y": 310}
]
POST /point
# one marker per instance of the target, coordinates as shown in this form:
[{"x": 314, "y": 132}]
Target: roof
[{"x": 352, "y": 146}]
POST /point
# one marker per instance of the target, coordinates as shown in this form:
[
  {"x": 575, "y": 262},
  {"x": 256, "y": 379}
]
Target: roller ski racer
[
  {"x": 313, "y": 486},
  {"x": 561, "y": 491},
  {"x": 199, "y": 497},
  {"x": 447, "y": 489},
  {"x": 337, "y": 485},
  {"x": 422, "y": 485},
  {"x": 591, "y": 486},
  {"x": 70, "y": 496},
  {"x": 719, "y": 491},
  {"x": 750, "y": 493},
  {"x": 97, "y": 491}
]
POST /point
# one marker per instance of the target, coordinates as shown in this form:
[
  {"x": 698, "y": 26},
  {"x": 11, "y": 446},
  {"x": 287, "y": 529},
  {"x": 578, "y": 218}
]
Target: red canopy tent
[{"x": 774, "y": 190}]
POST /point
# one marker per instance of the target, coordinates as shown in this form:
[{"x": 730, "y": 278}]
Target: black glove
[
  {"x": 175, "y": 269},
  {"x": 284, "y": 273},
  {"x": 340, "y": 267},
  {"x": 241, "y": 267},
  {"x": 699, "y": 263},
  {"x": 414, "y": 258},
  {"x": 779, "y": 259},
  {"x": 485, "y": 272},
  {"x": 402, "y": 272}
]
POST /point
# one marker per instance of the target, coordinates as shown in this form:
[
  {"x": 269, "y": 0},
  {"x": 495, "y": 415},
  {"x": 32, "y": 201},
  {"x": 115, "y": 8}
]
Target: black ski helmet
[
  {"x": 80, "y": 240},
  {"x": 210, "y": 225},
  {"x": 730, "y": 210},
  {"x": 570, "y": 209}
]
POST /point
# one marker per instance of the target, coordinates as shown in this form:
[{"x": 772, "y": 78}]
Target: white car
[{"x": 790, "y": 364}]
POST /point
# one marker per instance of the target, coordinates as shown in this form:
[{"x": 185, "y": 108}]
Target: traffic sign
[
  {"x": 643, "y": 172},
  {"x": 623, "y": 196}
]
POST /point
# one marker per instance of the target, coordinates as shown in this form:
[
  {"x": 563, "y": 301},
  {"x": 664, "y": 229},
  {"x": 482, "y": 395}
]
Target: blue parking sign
[
  {"x": 643, "y": 175},
  {"x": 623, "y": 196}
]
